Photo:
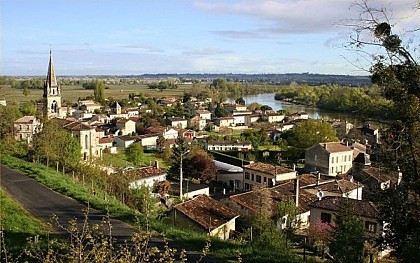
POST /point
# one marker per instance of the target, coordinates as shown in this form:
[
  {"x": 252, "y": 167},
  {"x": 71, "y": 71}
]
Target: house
[
  {"x": 190, "y": 189},
  {"x": 330, "y": 158},
  {"x": 239, "y": 119},
  {"x": 204, "y": 114},
  {"x": 89, "y": 106},
  {"x": 198, "y": 123},
  {"x": 265, "y": 174},
  {"x": 342, "y": 128},
  {"x": 167, "y": 133},
  {"x": 145, "y": 176},
  {"x": 325, "y": 211},
  {"x": 331, "y": 186},
  {"x": 300, "y": 115},
  {"x": 178, "y": 122},
  {"x": 204, "y": 214},
  {"x": 250, "y": 203},
  {"x": 125, "y": 140},
  {"x": 228, "y": 146},
  {"x": 241, "y": 112},
  {"x": 107, "y": 144},
  {"x": 225, "y": 122},
  {"x": 370, "y": 134},
  {"x": 231, "y": 175},
  {"x": 375, "y": 180},
  {"x": 234, "y": 107},
  {"x": 26, "y": 127},
  {"x": 126, "y": 126},
  {"x": 273, "y": 117},
  {"x": 148, "y": 141},
  {"x": 82, "y": 114},
  {"x": 250, "y": 119},
  {"x": 86, "y": 135}
]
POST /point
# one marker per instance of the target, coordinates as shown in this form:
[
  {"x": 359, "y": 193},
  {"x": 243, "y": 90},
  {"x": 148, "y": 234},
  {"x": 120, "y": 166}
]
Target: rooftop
[
  {"x": 268, "y": 168},
  {"x": 360, "y": 207},
  {"x": 207, "y": 212}
]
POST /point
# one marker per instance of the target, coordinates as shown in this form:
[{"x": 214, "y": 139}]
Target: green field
[{"x": 73, "y": 93}]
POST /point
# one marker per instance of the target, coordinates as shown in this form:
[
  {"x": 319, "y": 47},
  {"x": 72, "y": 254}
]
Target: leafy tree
[
  {"x": 134, "y": 153},
  {"x": 28, "y": 108},
  {"x": 256, "y": 137},
  {"x": 309, "y": 133},
  {"x": 99, "y": 91},
  {"x": 7, "y": 116},
  {"x": 220, "y": 112},
  {"x": 266, "y": 107},
  {"x": 163, "y": 187},
  {"x": 348, "y": 237},
  {"x": 240, "y": 101},
  {"x": 396, "y": 71},
  {"x": 200, "y": 165},
  {"x": 254, "y": 106}
]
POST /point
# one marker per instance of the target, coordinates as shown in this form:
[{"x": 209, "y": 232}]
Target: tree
[
  {"x": 163, "y": 187},
  {"x": 256, "y": 137},
  {"x": 179, "y": 151},
  {"x": 200, "y": 165},
  {"x": 240, "y": 101},
  {"x": 396, "y": 71},
  {"x": 309, "y": 133},
  {"x": 348, "y": 237},
  {"x": 7, "y": 116},
  {"x": 28, "y": 108},
  {"x": 99, "y": 91},
  {"x": 134, "y": 153}
]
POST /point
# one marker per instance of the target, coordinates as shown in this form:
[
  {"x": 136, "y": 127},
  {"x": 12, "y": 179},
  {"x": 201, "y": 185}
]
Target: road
[{"x": 43, "y": 202}]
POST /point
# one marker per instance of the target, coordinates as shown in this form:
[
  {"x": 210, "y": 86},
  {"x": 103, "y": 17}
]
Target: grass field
[
  {"x": 17, "y": 223},
  {"x": 73, "y": 93}
]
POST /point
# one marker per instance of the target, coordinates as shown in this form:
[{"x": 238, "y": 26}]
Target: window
[
  {"x": 345, "y": 158},
  {"x": 27, "y": 127},
  {"x": 258, "y": 178},
  {"x": 349, "y": 158},
  {"x": 247, "y": 186},
  {"x": 336, "y": 159},
  {"x": 370, "y": 227},
  {"x": 86, "y": 141},
  {"x": 247, "y": 175},
  {"x": 325, "y": 218},
  {"x": 265, "y": 179},
  {"x": 332, "y": 160},
  {"x": 332, "y": 170},
  {"x": 252, "y": 177}
]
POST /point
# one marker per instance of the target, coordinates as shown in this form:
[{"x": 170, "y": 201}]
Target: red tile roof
[
  {"x": 268, "y": 168},
  {"x": 144, "y": 172},
  {"x": 207, "y": 212}
]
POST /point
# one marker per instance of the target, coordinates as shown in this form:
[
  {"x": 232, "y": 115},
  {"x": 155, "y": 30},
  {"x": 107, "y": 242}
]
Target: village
[{"x": 330, "y": 172}]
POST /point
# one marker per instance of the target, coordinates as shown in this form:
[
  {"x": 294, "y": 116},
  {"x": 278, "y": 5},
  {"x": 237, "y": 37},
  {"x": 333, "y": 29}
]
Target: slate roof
[
  {"x": 207, "y": 212},
  {"x": 268, "y": 168},
  {"x": 334, "y": 203}
]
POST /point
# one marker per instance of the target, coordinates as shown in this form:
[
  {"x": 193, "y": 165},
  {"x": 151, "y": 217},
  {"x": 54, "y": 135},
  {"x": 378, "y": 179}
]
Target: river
[{"x": 313, "y": 112}]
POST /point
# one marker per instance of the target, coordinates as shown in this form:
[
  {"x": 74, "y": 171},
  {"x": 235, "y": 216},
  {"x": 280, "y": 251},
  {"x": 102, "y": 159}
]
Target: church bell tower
[{"x": 52, "y": 94}]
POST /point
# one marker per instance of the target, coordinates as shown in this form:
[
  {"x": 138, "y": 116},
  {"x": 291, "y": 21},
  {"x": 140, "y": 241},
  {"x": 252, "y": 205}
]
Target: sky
[{"x": 124, "y": 37}]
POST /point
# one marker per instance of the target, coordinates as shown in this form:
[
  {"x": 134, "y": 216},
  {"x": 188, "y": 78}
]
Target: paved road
[{"x": 43, "y": 202}]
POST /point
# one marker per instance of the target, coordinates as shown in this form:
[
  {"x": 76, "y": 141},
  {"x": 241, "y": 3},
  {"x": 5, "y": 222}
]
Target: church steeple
[
  {"x": 52, "y": 93},
  {"x": 51, "y": 79}
]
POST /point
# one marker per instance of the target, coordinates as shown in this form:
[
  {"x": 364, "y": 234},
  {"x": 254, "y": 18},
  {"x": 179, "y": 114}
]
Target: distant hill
[{"x": 301, "y": 78}]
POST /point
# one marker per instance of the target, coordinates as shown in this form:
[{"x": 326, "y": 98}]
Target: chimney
[
  {"x": 156, "y": 163},
  {"x": 296, "y": 186},
  {"x": 318, "y": 178}
]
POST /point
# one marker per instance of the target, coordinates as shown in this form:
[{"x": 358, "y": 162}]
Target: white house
[
  {"x": 330, "y": 158},
  {"x": 228, "y": 146},
  {"x": 145, "y": 176},
  {"x": 178, "y": 122},
  {"x": 125, "y": 140},
  {"x": 225, "y": 122},
  {"x": 26, "y": 127},
  {"x": 126, "y": 126},
  {"x": 204, "y": 114}
]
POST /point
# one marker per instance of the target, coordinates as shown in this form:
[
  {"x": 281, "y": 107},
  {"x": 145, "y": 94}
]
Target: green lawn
[{"x": 119, "y": 160}]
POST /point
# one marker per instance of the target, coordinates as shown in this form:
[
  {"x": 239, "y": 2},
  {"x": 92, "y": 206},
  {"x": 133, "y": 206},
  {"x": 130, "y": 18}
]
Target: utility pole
[{"x": 181, "y": 175}]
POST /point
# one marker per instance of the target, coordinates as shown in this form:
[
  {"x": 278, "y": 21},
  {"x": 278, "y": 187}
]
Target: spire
[{"x": 51, "y": 79}]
